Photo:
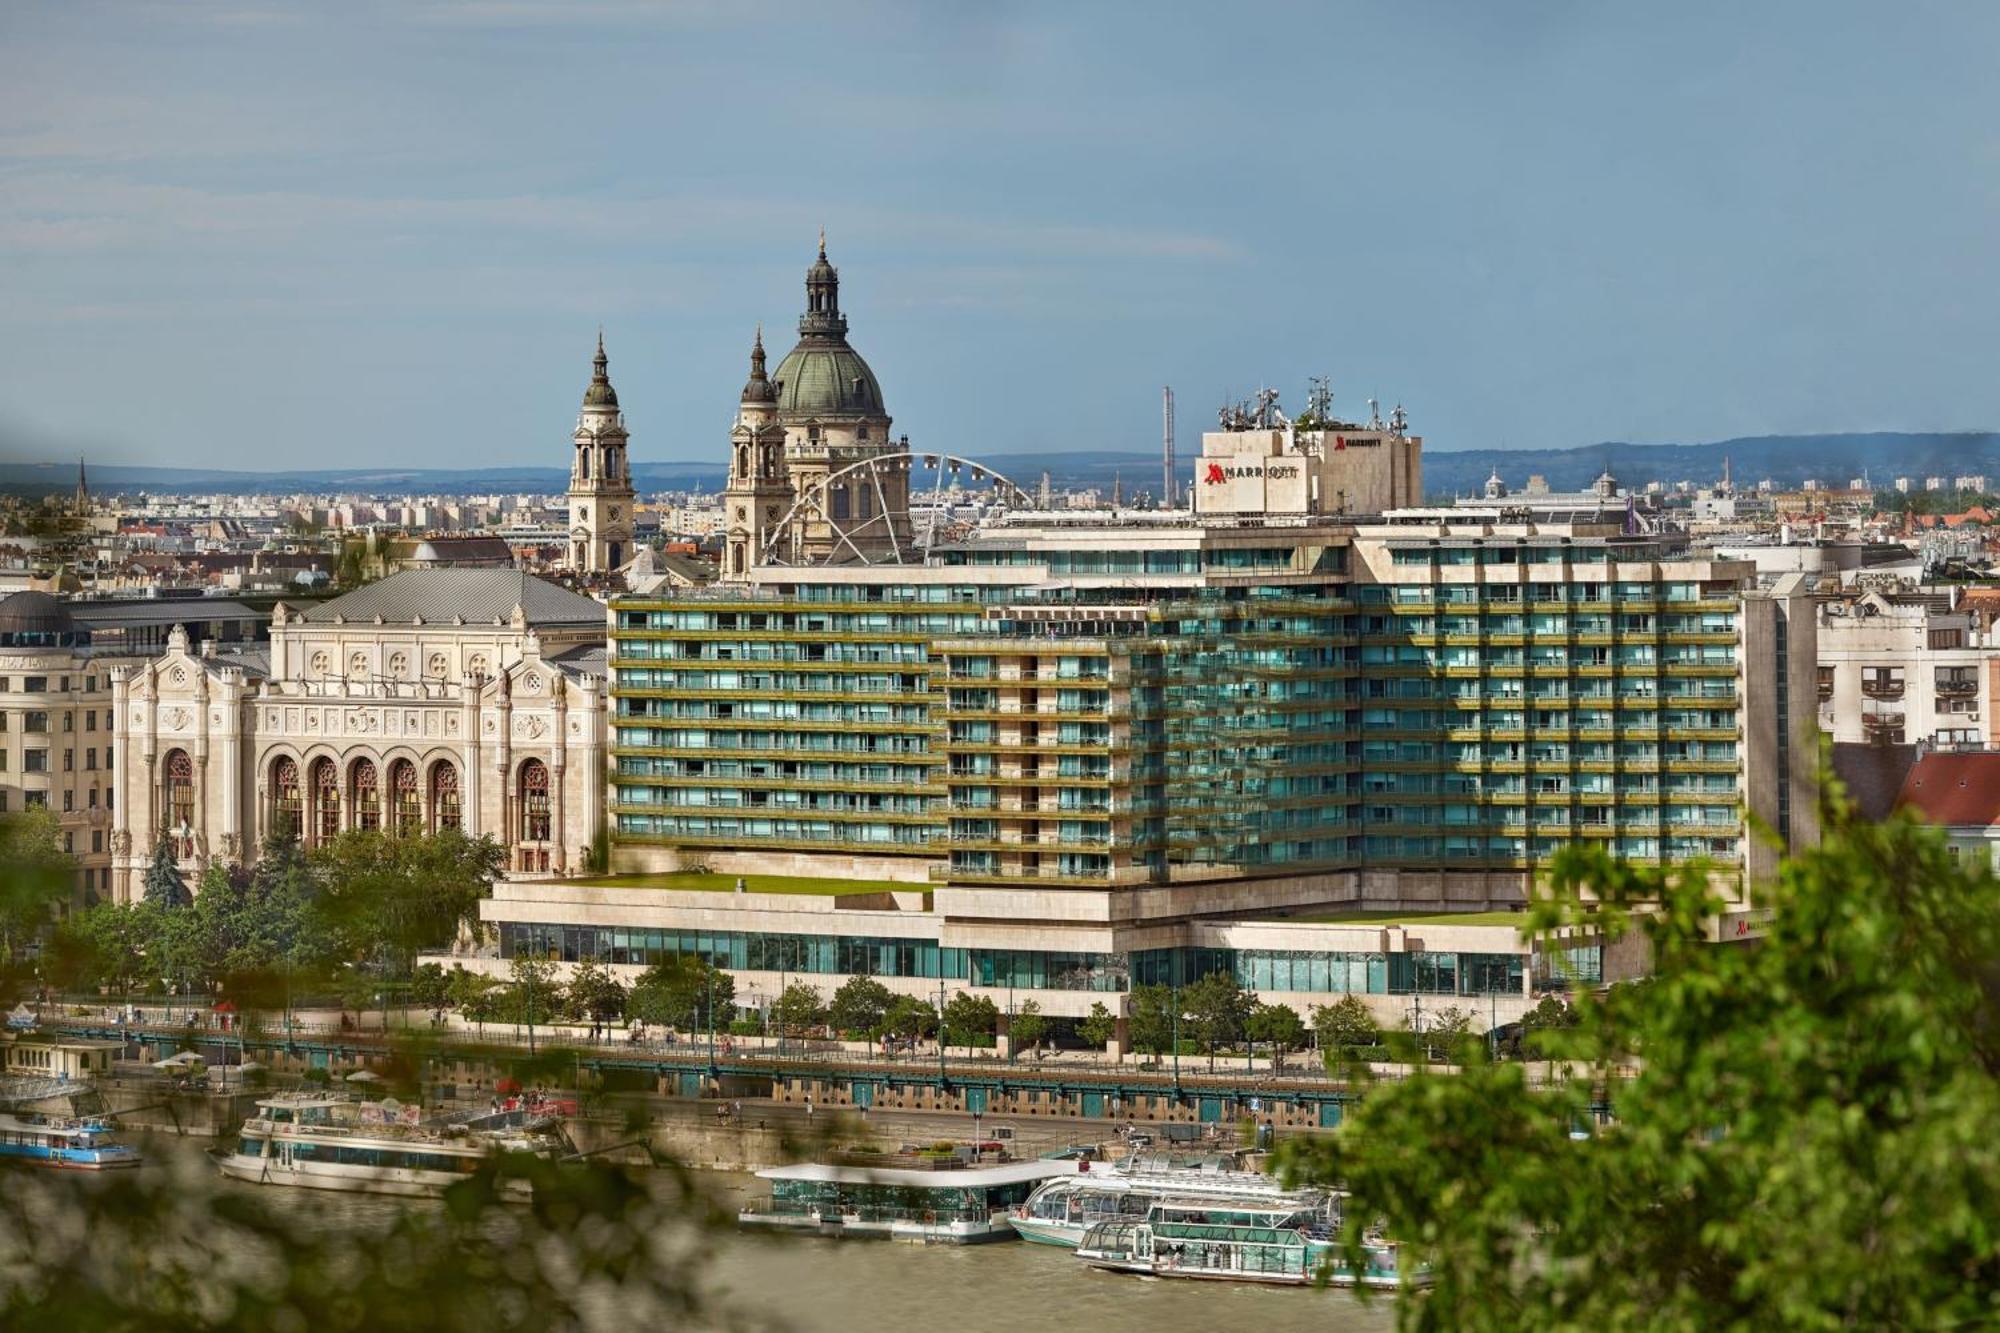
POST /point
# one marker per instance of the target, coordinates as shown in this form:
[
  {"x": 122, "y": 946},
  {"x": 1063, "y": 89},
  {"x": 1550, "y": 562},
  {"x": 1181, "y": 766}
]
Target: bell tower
[
  {"x": 600, "y": 481},
  {"x": 760, "y": 489}
]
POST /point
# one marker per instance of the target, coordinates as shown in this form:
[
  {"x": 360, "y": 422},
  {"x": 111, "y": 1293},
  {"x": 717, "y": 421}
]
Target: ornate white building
[
  {"x": 601, "y": 499},
  {"x": 467, "y": 698}
]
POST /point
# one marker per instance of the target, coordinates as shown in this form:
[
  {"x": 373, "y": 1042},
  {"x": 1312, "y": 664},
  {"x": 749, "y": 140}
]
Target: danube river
[{"x": 831, "y": 1286}]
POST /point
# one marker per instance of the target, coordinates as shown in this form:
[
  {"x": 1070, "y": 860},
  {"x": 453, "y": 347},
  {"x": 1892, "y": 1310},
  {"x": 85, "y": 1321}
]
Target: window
[
  {"x": 180, "y": 801},
  {"x": 35, "y": 684},
  {"x": 34, "y": 761},
  {"x": 445, "y": 811},
  {"x": 367, "y": 796},
  {"x": 35, "y": 721}
]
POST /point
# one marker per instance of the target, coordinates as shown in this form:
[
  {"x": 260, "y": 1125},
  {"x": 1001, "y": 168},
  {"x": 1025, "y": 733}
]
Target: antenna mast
[{"x": 1167, "y": 447}]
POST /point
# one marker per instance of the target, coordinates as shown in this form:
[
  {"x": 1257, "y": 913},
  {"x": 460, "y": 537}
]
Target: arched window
[
  {"x": 406, "y": 805},
  {"x": 583, "y": 464},
  {"x": 367, "y": 795},
  {"x": 288, "y": 799},
  {"x": 445, "y": 809},
  {"x": 180, "y": 802},
  {"x": 325, "y": 801},
  {"x": 534, "y": 801}
]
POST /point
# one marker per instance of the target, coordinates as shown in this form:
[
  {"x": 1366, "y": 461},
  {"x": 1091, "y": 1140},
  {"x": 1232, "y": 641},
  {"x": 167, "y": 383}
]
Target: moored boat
[
  {"x": 1061, "y": 1211},
  {"x": 64, "y": 1143},
  {"x": 947, "y": 1203},
  {"x": 329, "y": 1141},
  {"x": 1238, "y": 1240}
]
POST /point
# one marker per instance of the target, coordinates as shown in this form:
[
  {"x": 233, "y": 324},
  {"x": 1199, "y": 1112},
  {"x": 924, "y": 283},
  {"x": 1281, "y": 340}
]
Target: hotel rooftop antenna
[{"x": 1167, "y": 448}]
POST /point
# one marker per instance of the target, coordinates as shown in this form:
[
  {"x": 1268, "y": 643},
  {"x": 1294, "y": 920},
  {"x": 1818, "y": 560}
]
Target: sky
[{"x": 251, "y": 234}]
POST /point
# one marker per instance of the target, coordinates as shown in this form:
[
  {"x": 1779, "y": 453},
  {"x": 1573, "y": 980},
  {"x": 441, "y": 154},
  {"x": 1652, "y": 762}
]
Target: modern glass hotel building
[{"x": 1071, "y": 753}]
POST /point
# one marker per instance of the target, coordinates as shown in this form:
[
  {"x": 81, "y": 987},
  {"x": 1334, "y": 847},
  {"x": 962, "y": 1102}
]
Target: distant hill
[{"x": 1785, "y": 459}]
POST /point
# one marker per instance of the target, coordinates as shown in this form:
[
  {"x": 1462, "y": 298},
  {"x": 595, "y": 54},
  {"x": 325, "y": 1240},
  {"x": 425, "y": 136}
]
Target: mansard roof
[{"x": 479, "y": 596}]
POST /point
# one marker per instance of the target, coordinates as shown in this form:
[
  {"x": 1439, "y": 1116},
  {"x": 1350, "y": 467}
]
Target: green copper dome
[
  {"x": 823, "y": 379},
  {"x": 823, "y": 376}
]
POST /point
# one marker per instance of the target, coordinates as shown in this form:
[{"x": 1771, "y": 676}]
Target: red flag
[{"x": 1340, "y": 442}]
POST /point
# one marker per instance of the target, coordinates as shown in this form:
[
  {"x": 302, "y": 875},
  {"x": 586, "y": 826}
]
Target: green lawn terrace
[{"x": 864, "y": 892}]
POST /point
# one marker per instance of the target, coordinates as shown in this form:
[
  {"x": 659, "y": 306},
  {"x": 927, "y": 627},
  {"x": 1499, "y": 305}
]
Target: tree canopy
[
  {"x": 860, "y": 1005},
  {"x": 1801, "y": 1127},
  {"x": 685, "y": 991}
]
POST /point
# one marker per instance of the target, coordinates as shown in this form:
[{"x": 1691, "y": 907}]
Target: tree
[
  {"x": 474, "y": 995},
  {"x": 431, "y": 988},
  {"x": 1802, "y": 1129},
  {"x": 593, "y": 995},
  {"x": 536, "y": 994},
  {"x": 968, "y": 1016},
  {"x": 1152, "y": 1023},
  {"x": 798, "y": 1010},
  {"x": 1345, "y": 1024},
  {"x": 1215, "y": 1009},
  {"x": 1099, "y": 1027},
  {"x": 859, "y": 1005},
  {"x": 164, "y": 886},
  {"x": 389, "y": 898},
  {"x": 1445, "y": 1033},
  {"x": 35, "y": 875},
  {"x": 1027, "y": 1027},
  {"x": 685, "y": 991},
  {"x": 114, "y": 938},
  {"x": 910, "y": 1017},
  {"x": 1278, "y": 1024}
]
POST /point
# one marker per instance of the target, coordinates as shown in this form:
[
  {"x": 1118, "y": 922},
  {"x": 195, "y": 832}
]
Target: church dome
[
  {"x": 827, "y": 380},
  {"x": 600, "y": 393},
  {"x": 822, "y": 376},
  {"x": 34, "y": 613}
]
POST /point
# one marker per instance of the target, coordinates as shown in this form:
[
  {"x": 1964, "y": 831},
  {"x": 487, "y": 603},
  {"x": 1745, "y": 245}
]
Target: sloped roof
[
  {"x": 481, "y": 596},
  {"x": 1873, "y": 774},
  {"x": 1959, "y": 789},
  {"x": 590, "y": 659}
]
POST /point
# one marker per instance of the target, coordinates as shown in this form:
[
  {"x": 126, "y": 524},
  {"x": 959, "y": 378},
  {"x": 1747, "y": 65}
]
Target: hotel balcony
[{"x": 1880, "y": 688}]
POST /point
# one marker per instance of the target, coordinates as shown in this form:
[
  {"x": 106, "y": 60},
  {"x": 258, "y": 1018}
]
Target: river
[{"x": 811, "y": 1285}]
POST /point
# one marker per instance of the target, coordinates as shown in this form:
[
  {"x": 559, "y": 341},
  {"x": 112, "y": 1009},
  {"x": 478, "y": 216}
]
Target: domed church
[{"x": 800, "y": 432}]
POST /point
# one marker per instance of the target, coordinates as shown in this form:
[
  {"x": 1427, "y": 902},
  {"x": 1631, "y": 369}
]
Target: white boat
[
  {"x": 947, "y": 1203},
  {"x": 66, "y": 1143},
  {"x": 1061, "y": 1211},
  {"x": 1240, "y": 1240},
  {"x": 330, "y": 1141}
]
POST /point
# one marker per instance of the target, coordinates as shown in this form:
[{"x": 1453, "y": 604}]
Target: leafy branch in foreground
[
  {"x": 598, "y": 1248},
  {"x": 1802, "y": 1131}
]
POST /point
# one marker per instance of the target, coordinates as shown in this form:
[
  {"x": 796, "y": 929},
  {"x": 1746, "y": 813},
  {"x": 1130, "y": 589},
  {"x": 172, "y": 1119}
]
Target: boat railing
[{"x": 850, "y": 1212}]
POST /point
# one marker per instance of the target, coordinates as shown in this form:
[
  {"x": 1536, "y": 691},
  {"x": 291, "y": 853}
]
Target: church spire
[
  {"x": 822, "y": 317},
  {"x": 759, "y": 389},
  {"x": 82, "y": 489},
  {"x": 600, "y": 393}
]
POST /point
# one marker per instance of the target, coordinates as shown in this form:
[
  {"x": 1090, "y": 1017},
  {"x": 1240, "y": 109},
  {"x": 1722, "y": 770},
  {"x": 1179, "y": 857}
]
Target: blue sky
[{"x": 251, "y": 234}]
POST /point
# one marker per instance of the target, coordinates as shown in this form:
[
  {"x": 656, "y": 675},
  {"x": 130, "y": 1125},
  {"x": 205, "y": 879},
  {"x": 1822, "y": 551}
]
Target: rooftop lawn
[
  {"x": 689, "y": 882},
  {"x": 1372, "y": 918}
]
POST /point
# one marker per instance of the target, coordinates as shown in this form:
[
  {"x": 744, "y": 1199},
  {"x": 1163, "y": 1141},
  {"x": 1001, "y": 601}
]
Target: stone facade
[{"x": 390, "y": 722}]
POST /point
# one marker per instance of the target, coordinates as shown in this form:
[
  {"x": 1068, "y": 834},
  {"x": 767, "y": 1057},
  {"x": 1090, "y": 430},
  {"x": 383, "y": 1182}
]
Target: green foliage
[
  {"x": 1152, "y": 1021},
  {"x": 1214, "y": 1010},
  {"x": 180, "y": 1251},
  {"x": 475, "y": 995},
  {"x": 968, "y": 1016},
  {"x": 686, "y": 992},
  {"x": 1277, "y": 1025},
  {"x": 1099, "y": 1027},
  {"x": 1344, "y": 1025},
  {"x": 859, "y": 1005},
  {"x": 35, "y": 876},
  {"x": 1447, "y": 1035},
  {"x": 535, "y": 996},
  {"x": 909, "y": 1016},
  {"x": 798, "y": 1010},
  {"x": 593, "y": 993},
  {"x": 430, "y": 987},
  {"x": 1027, "y": 1027},
  {"x": 164, "y": 886},
  {"x": 388, "y": 898},
  {"x": 1803, "y": 1127}
]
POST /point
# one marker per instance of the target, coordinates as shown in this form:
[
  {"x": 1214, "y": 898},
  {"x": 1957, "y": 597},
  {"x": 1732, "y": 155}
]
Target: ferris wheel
[{"x": 885, "y": 531}]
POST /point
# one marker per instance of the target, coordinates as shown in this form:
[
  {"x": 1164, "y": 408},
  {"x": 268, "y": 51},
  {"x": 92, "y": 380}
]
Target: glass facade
[{"x": 1423, "y": 703}]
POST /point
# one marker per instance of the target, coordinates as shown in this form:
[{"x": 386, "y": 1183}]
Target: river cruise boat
[
  {"x": 1237, "y": 1240},
  {"x": 328, "y": 1141},
  {"x": 64, "y": 1143},
  {"x": 1061, "y": 1211},
  {"x": 949, "y": 1203}
]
